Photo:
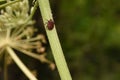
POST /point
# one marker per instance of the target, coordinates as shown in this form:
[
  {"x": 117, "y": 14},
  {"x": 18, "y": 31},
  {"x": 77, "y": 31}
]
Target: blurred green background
[{"x": 89, "y": 32}]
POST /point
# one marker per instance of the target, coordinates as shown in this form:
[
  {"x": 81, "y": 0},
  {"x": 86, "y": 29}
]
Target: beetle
[{"x": 50, "y": 24}]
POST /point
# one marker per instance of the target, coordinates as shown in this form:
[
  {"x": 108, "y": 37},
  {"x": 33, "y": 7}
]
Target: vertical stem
[
  {"x": 20, "y": 64},
  {"x": 54, "y": 41}
]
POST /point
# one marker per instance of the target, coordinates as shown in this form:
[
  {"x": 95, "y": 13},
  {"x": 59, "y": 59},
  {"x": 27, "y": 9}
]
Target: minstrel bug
[{"x": 50, "y": 24}]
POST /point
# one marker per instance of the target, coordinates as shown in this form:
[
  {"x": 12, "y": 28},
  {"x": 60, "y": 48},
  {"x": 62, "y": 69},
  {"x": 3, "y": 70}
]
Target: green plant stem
[
  {"x": 20, "y": 64},
  {"x": 9, "y": 3},
  {"x": 54, "y": 41}
]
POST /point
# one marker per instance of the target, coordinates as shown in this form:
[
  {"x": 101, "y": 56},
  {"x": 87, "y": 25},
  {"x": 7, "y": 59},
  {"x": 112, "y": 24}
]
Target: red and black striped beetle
[{"x": 50, "y": 24}]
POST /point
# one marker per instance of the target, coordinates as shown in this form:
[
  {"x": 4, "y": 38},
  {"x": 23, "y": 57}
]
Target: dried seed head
[{"x": 11, "y": 20}]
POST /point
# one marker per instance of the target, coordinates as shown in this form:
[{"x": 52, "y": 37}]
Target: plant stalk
[
  {"x": 54, "y": 41},
  {"x": 9, "y": 3},
  {"x": 25, "y": 70}
]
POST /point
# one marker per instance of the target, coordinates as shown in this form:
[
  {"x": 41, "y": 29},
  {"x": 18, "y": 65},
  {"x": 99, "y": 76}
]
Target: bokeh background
[{"x": 89, "y": 32}]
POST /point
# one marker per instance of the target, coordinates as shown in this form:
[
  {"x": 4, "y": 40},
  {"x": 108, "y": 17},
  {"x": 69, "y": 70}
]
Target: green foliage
[{"x": 90, "y": 33}]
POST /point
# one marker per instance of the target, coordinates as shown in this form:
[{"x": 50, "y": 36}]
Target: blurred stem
[
  {"x": 8, "y": 3},
  {"x": 25, "y": 70},
  {"x": 54, "y": 41},
  {"x": 5, "y": 67}
]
